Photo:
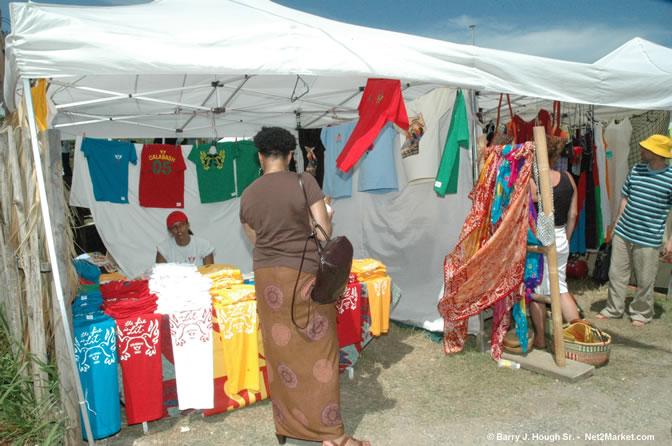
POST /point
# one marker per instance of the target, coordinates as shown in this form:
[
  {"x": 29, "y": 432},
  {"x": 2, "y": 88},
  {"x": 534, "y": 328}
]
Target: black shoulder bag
[{"x": 334, "y": 267}]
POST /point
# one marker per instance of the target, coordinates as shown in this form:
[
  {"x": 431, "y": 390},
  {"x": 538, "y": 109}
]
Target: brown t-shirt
[{"x": 274, "y": 207}]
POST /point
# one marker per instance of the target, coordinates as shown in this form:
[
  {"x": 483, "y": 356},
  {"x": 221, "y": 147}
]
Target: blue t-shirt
[
  {"x": 377, "y": 171},
  {"x": 108, "y": 167},
  {"x": 336, "y": 184},
  {"x": 96, "y": 354}
]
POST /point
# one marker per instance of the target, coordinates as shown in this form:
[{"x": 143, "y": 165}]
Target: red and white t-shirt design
[
  {"x": 139, "y": 350},
  {"x": 162, "y": 176},
  {"x": 349, "y": 322},
  {"x": 191, "y": 335}
]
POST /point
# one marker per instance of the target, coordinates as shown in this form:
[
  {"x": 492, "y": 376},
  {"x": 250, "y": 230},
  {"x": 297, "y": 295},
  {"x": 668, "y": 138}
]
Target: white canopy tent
[
  {"x": 177, "y": 68},
  {"x": 205, "y": 68}
]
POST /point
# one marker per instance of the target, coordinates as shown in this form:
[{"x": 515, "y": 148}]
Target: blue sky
[{"x": 577, "y": 30}]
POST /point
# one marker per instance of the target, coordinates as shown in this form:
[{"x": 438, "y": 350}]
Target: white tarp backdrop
[{"x": 206, "y": 68}]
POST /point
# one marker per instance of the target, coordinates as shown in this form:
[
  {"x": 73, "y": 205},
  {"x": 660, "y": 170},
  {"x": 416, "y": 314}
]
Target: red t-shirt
[
  {"x": 162, "y": 176},
  {"x": 381, "y": 102}
]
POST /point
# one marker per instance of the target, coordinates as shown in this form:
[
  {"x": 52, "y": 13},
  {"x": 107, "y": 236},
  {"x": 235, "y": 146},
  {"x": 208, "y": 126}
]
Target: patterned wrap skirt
[{"x": 302, "y": 363}]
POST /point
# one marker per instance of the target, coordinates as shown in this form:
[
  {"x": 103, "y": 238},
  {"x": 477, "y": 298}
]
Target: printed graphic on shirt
[
  {"x": 191, "y": 326},
  {"x": 95, "y": 347},
  {"x": 311, "y": 167},
  {"x": 348, "y": 300},
  {"x": 416, "y": 128},
  {"x": 138, "y": 337},
  {"x": 237, "y": 319},
  {"x": 213, "y": 159}
]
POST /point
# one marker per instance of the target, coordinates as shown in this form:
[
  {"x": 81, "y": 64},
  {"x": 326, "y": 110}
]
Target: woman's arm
[
  {"x": 322, "y": 217},
  {"x": 160, "y": 258},
  {"x": 250, "y": 233},
  {"x": 209, "y": 259},
  {"x": 571, "y": 217}
]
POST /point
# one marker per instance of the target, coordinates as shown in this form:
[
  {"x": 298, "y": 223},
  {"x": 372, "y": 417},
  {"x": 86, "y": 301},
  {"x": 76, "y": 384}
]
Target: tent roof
[
  {"x": 639, "y": 55},
  {"x": 226, "y": 67}
]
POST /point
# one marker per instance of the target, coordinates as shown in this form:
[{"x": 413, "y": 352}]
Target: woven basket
[{"x": 596, "y": 352}]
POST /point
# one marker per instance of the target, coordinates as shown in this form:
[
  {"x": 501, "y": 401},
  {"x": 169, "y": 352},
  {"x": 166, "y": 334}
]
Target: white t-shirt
[
  {"x": 431, "y": 112},
  {"x": 192, "y": 253},
  {"x": 618, "y": 143}
]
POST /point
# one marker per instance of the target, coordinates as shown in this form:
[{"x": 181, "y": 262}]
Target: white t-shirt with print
[{"x": 192, "y": 253}]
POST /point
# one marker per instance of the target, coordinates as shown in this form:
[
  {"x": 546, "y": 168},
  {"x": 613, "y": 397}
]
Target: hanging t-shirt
[
  {"x": 95, "y": 344},
  {"x": 425, "y": 138},
  {"x": 311, "y": 146},
  {"x": 248, "y": 167},
  {"x": 617, "y": 136},
  {"x": 337, "y": 184},
  {"x": 139, "y": 351},
  {"x": 377, "y": 171},
  {"x": 191, "y": 336},
  {"x": 162, "y": 176},
  {"x": 191, "y": 253},
  {"x": 458, "y": 136},
  {"x": 214, "y": 169},
  {"x": 381, "y": 102},
  {"x": 108, "y": 167}
]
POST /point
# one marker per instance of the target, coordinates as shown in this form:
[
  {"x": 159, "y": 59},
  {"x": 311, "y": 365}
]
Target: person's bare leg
[
  {"x": 538, "y": 313},
  {"x": 569, "y": 309}
]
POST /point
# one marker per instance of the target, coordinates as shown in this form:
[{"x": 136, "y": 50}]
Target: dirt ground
[{"x": 406, "y": 391}]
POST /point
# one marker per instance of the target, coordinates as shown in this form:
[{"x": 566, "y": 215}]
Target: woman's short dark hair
[{"x": 274, "y": 142}]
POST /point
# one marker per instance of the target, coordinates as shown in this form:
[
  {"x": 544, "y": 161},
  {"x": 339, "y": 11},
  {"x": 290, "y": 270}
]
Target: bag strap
[
  {"x": 303, "y": 256},
  {"x": 499, "y": 108}
]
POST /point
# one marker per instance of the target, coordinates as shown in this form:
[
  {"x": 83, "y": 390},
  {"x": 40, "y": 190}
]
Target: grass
[{"x": 23, "y": 418}]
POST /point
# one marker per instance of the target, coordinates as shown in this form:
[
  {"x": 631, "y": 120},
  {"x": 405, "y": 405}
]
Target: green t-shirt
[
  {"x": 458, "y": 136},
  {"x": 248, "y": 168},
  {"x": 214, "y": 169}
]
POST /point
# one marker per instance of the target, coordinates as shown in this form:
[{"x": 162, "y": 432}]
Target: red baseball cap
[{"x": 176, "y": 217}]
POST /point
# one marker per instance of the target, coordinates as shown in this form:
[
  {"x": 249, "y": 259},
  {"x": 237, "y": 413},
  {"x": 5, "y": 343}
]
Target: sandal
[{"x": 350, "y": 441}]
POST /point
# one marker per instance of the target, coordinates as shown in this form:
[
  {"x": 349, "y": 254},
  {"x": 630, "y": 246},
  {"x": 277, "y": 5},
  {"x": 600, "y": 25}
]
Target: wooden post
[
  {"x": 551, "y": 251},
  {"x": 10, "y": 292},
  {"x": 28, "y": 250},
  {"x": 58, "y": 210}
]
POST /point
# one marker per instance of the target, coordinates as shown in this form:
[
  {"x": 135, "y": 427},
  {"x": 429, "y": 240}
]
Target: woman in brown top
[{"x": 302, "y": 362}]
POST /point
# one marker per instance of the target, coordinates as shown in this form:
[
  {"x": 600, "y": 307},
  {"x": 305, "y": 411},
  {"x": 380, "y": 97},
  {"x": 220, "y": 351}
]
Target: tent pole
[
  {"x": 44, "y": 205},
  {"x": 474, "y": 135},
  {"x": 551, "y": 250}
]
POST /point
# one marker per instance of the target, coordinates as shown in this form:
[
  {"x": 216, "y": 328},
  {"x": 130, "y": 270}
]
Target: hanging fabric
[{"x": 487, "y": 266}]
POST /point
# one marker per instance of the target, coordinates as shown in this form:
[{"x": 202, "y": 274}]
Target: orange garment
[
  {"x": 380, "y": 292},
  {"x": 108, "y": 277},
  {"x": 222, "y": 276},
  {"x": 238, "y": 330},
  {"x": 223, "y": 401},
  {"x": 39, "y": 94},
  {"x": 368, "y": 269}
]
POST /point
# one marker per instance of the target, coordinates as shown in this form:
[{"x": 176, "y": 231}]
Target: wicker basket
[{"x": 595, "y": 352}]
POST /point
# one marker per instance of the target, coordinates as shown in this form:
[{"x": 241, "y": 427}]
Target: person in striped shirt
[{"x": 638, "y": 232}]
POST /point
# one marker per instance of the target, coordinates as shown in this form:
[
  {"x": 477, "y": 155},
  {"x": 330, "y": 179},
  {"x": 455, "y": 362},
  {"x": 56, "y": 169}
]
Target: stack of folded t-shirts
[
  {"x": 222, "y": 276},
  {"x": 95, "y": 343},
  {"x": 235, "y": 311},
  {"x": 373, "y": 274},
  {"x": 184, "y": 295},
  {"x": 133, "y": 307}
]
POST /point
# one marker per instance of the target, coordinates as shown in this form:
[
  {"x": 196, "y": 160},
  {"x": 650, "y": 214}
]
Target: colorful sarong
[{"x": 487, "y": 265}]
